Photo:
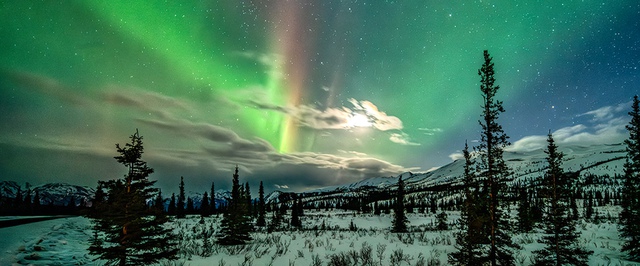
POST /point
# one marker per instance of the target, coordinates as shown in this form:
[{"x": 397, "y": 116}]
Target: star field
[{"x": 300, "y": 93}]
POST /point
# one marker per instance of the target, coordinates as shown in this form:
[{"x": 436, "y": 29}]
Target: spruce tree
[
  {"x": 300, "y": 206},
  {"x": 295, "y": 212},
  {"x": 399, "y": 219},
  {"x": 492, "y": 166},
  {"x": 98, "y": 197},
  {"x": 128, "y": 232},
  {"x": 630, "y": 215},
  {"x": 247, "y": 197},
  {"x": 180, "y": 212},
  {"x": 205, "y": 209},
  {"x": 261, "y": 207},
  {"x": 159, "y": 201},
  {"x": 235, "y": 225},
  {"x": 468, "y": 234},
  {"x": 172, "y": 205},
  {"x": 561, "y": 235},
  {"x": 525, "y": 220},
  {"x": 190, "y": 208},
  {"x": 36, "y": 201},
  {"x": 442, "y": 221},
  {"x": 212, "y": 197}
]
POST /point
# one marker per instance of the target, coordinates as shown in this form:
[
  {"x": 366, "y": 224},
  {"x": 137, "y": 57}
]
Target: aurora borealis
[{"x": 300, "y": 94}]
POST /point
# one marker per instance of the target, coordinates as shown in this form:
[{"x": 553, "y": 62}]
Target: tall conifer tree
[
  {"x": 261, "y": 207},
  {"x": 131, "y": 233},
  {"x": 205, "y": 209},
  {"x": 492, "y": 166},
  {"x": 180, "y": 211},
  {"x": 630, "y": 215}
]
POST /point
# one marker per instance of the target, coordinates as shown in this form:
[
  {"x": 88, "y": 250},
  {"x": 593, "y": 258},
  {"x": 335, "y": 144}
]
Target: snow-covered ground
[
  {"x": 65, "y": 242},
  {"x": 54, "y": 242}
]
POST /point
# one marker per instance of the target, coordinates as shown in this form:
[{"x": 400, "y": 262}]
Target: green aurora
[{"x": 277, "y": 86}]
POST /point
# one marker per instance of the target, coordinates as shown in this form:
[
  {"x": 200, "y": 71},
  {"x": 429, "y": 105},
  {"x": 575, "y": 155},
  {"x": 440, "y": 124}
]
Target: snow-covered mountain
[
  {"x": 56, "y": 193},
  {"x": 599, "y": 160},
  {"x": 596, "y": 159}
]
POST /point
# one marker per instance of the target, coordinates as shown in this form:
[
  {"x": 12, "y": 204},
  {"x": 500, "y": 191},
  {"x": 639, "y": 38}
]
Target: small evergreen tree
[
  {"x": 131, "y": 233},
  {"x": 172, "y": 205},
  {"x": 205, "y": 209},
  {"x": 525, "y": 221},
  {"x": 295, "y": 213},
  {"x": 180, "y": 212},
  {"x": 261, "y": 207},
  {"x": 235, "y": 225},
  {"x": 630, "y": 215},
  {"x": 300, "y": 206},
  {"x": 276, "y": 219},
  {"x": 561, "y": 235},
  {"x": 442, "y": 221},
  {"x": 399, "y": 219},
  {"x": 247, "y": 197},
  {"x": 159, "y": 201},
  {"x": 212, "y": 196},
  {"x": 468, "y": 237},
  {"x": 190, "y": 208}
]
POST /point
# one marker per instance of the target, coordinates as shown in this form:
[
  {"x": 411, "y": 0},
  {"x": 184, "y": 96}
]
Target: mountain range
[{"x": 598, "y": 160}]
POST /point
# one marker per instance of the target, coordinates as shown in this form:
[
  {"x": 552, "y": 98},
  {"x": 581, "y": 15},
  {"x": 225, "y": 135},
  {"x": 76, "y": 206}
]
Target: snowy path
[{"x": 53, "y": 242}]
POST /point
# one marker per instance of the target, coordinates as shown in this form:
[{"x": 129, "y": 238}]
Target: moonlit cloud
[{"x": 361, "y": 114}]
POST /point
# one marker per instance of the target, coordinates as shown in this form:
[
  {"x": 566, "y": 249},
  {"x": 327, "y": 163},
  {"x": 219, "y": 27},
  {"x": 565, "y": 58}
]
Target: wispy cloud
[
  {"x": 607, "y": 126},
  {"x": 144, "y": 101},
  {"x": 402, "y": 138},
  {"x": 607, "y": 113},
  {"x": 430, "y": 131},
  {"x": 47, "y": 86}
]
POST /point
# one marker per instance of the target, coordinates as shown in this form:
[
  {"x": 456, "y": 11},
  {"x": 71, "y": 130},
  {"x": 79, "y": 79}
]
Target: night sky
[{"x": 300, "y": 94}]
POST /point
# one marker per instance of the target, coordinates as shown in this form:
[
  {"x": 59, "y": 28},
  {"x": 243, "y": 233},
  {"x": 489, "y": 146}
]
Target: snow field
[{"x": 65, "y": 242}]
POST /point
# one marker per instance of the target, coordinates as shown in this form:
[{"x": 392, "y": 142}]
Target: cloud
[
  {"x": 361, "y": 114},
  {"x": 456, "y": 156},
  {"x": 281, "y": 186},
  {"x": 360, "y": 154},
  {"x": 607, "y": 113},
  {"x": 402, "y": 138},
  {"x": 224, "y": 149},
  {"x": 47, "y": 86},
  {"x": 430, "y": 131},
  {"x": 151, "y": 102},
  {"x": 607, "y": 127}
]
